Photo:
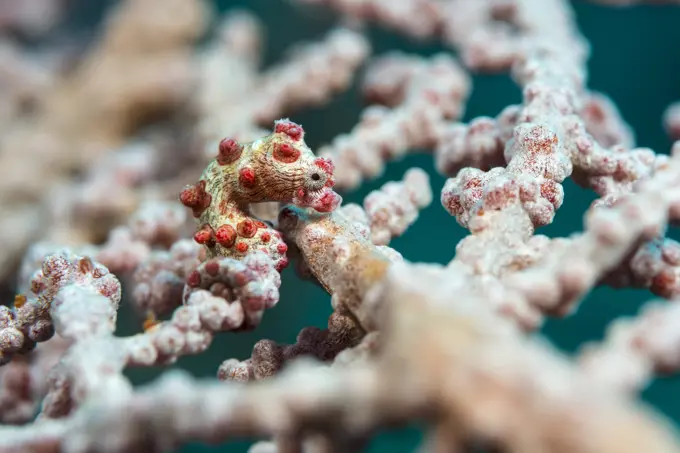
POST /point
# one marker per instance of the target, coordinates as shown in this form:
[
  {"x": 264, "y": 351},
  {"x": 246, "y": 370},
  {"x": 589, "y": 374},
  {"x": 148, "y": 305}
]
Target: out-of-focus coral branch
[
  {"x": 31, "y": 319},
  {"x": 558, "y": 281},
  {"x": 23, "y": 384},
  {"x": 671, "y": 121},
  {"x": 635, "y": 2},
  {"x": 418, "y": 18},
  {"x": 312, "y": 74},
  {"x": 78, "y": 299},
  {"x": 269, "y": 358},
  {"x": 31, "y": 17},
  {"x": 455, "y": 365},
  {"x": 388, "y": 212},
  {"x": 635, "y": 348},
  {"x": 418, "y": 97},
  {"x": 95, "y": 107}
]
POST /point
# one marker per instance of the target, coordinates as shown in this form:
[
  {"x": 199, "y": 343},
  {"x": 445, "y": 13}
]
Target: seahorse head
[{"x": 281, "y": 167}]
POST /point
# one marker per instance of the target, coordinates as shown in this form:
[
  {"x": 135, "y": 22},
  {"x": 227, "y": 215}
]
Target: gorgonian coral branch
[
  {"x": 252, "y": 283},
  {"x": 30, "y": 320},
  {"x": 340, "y": 256}
]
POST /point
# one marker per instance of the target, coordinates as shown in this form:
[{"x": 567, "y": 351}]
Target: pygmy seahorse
[{"x": 278, "y": 167}]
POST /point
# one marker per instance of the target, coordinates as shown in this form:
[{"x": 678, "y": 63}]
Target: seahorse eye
[{"x": 315, "y": 179}]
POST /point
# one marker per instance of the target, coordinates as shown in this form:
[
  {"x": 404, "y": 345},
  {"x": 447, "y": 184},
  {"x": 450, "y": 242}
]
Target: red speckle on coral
[
  {"x": 196, "y": 198},
  {"x": 55, "y": 268},
  {"x": 37, "y": 287},
  {"x": 265, "y": 237},
  {"x": 282, "y": 248},
  {"x": 246, "y": 228},
  {"x": 242, "y": 247},
  {"x": 225, "y": 236},
  {"x": 109, "y": 289},
  {"x": 286, "y": 153},
  {"x": 540, "y": 140},
  {"x": 229, "y": 151},
  {"x": 194, "y": 279},
  {"x": 452, "y": 204},
  {"x": 471, "y": 183},
  {"x": 500, "y": 196},
  {"x": 289, "y": 128},
  {"x": 212, "y": 267},
  {"x": 85, "y": 265},
  {"x": 204, "y": 235},
  {"x": 549, "y": 191},
  {"x": 246, "y": 177}
]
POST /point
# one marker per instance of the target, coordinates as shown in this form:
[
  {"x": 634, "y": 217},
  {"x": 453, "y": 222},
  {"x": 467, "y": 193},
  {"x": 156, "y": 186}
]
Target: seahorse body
[{"x": 278, "y": 167}]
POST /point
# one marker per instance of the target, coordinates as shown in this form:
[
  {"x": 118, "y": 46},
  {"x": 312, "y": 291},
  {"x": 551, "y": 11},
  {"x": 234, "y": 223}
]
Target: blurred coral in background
[{"x": 154, "y": 192}]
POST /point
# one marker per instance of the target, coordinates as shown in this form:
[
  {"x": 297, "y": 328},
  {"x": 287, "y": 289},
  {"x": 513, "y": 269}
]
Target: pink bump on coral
[{"x": 252, "y": 282}]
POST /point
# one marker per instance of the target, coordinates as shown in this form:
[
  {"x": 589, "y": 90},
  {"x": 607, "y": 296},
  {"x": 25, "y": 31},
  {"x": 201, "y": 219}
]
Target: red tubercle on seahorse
[
  {"x": 226, "y": 236},
  {"x": 246, "y": 177},
  {"x": 229, "y": 151},
  {"x": 246, "y": 228},
  {"x": 292, "y": 130},
  {"x": 205, "y": 235},
  {"x": 196, "y": 198},
  {"x": 286, "y": 153}
]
